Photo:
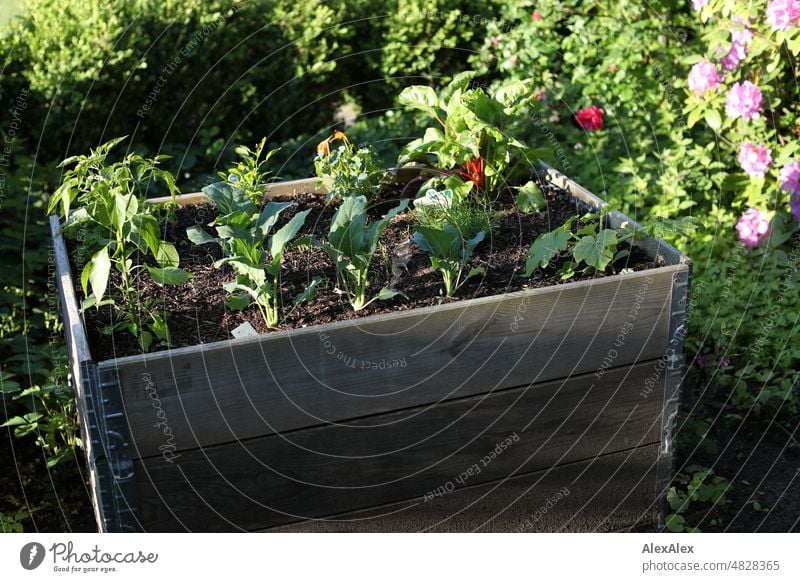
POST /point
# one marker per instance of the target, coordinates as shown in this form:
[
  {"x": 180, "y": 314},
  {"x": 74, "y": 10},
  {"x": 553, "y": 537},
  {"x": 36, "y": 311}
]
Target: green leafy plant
[
  {"x": 351, "y": 244},
  {"x": 449, "y": 252},
  {"x": 696, "y": 485},
  {"x": 473, "y": 139},
  {"x": 252, "y": 249},
  {"x": 447, "y": 201},
  {"x": 250, "y": 173},
  {"x": 48, "y": 414},
  {"x": 120, "y": 229},
  {"x": 529, "y": 197},
  {"x": 12, "y": 522},
  {"x": 346, "y": 170},
  {"x": 591, "y": 245}
]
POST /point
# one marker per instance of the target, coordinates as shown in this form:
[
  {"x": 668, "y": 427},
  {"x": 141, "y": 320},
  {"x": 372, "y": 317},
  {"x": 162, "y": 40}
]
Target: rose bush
[{"x": 743, "y": 87}]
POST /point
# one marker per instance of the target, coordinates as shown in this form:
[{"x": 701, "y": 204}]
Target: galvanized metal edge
[
  {"x": 104, "y": 429},
  {"x": 676, "y": 372}
]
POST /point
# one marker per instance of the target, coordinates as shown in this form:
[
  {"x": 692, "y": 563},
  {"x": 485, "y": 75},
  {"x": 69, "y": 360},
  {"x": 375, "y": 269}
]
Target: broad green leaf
[
  {"x": 441, "y": 243},
  {"x": 530, "y": 198},
  {"x": 386, "y": 293},
  {"x": 160, "y": 328},
  {"x": 545, "y": 248},
  {"x": 713, "y": 119},
  {"x": 597, "y": 251},
  {"x": 168, "y": 275},
  {"x": 166, "y": 255},
  {"x": 309, "y": 292},
  {"x": 459, "y": 83},
  {"x": 229, "y": 198},
  {"x": 419, "y": 97},
  {"x": 95, "y": 274},
  {"x": 238, "y": 301},
  {"x": 286, "y": 233},
  {"x": 145, "y": 229},
  {"x": 269, "y": 216},
  {"x": 199, "y": 236}
]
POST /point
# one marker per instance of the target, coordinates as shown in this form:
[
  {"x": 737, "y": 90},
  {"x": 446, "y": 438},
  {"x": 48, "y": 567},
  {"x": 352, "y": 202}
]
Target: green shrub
[{"x": 170, "y": 71}]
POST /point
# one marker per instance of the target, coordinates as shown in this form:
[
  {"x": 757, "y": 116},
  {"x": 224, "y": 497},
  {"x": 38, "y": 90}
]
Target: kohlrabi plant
[
  {"x": 591, "y": 249},
  {"x": 351, "y": 244},
  {"x": 347, "y": 170},
  {"x": 119, "y": 231},
  {"x": 252, "y": 249},
  {"x": 250, "y": 173},
  {"x": 449, "y": 252},
  {"x": 473, "y": 137}
]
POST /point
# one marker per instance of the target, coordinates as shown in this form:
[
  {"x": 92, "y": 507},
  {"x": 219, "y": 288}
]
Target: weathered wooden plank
[
  {"x": 288, "y": 380},
  {"x": 80, "y": 358},
  {"x": 401, "y": 455},
  {"x": 287, "y": 188},
  {"x": 611, "y": 492}
]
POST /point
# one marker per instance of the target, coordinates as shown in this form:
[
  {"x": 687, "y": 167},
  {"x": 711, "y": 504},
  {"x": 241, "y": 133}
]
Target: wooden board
[
  {"x": 611, "y": 492},
  {"x": 400, "y": 455},
  {"x": 287, "y": 188},
  {"x": 289, "y": 380}
]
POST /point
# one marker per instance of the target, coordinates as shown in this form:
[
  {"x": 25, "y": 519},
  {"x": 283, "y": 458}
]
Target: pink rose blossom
[
  {"x": 742, "y": 36},
  {"x": 495, "y": 40},
  {"x": 794, "y": 206},
  {"x": 704, "y": 77},
  {"x": 744, "y": 100},
  {"x": 512, "y": 60},
  {"x": 736, "y": 54},
  {"x": 753, "y": 228},
  {"x": 783, "y": 14},
  {"x": 755, "y": 159},
  {"x": 537, "y": 16},
  {"x": 699, "y": 4},
  {"x": 540, "y": 95},
  {"x": 790, "y": 177}
]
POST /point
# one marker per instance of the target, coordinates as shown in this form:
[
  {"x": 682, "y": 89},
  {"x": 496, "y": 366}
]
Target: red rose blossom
[{"x": 590, "y": 118}]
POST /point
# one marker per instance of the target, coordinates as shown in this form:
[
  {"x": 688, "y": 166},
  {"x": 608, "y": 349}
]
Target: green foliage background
[{"x": 282, "y": 68}]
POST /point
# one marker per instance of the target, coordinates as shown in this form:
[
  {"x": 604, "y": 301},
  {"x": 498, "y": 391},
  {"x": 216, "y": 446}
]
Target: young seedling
[
  {"x": 449, "y": 252},
  {"x": 251, "y": 248},
  {"x": 118, "y": 224},
  {"x": 250, "y": 173},
  {"x": 346, "y": 170},
  {"x": 593, "y": 246},
  {"x": 351, "y": 244}
]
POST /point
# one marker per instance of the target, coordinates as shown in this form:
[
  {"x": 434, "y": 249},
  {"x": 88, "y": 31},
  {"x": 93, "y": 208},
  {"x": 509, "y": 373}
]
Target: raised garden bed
[{"x": 456, "y": 416}]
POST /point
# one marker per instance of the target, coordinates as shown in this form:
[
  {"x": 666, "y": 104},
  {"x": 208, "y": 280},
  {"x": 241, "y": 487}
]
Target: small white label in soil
[{"x": 244, "y": 330}]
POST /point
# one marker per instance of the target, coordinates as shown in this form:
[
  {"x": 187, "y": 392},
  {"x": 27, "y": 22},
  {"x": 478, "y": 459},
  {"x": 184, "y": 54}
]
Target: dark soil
[
  {"x": 54, "y": 500},
  {"x": 197, "y": 309},
  {"x": 761, "y": 459}
]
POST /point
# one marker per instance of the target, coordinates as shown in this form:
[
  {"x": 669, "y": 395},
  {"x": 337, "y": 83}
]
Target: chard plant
[
  {"x": 590, "y": 249},
  {"x": 250, "y": 173},
  {"x": 351, "y": 244},
  {"x": 252, "y": 249},
  {"x": 449, "y": 252},
  {"x": 120, "y": 231},
  {"x": 472, "y": 139},
  {"x": 346, "y": 170}
]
